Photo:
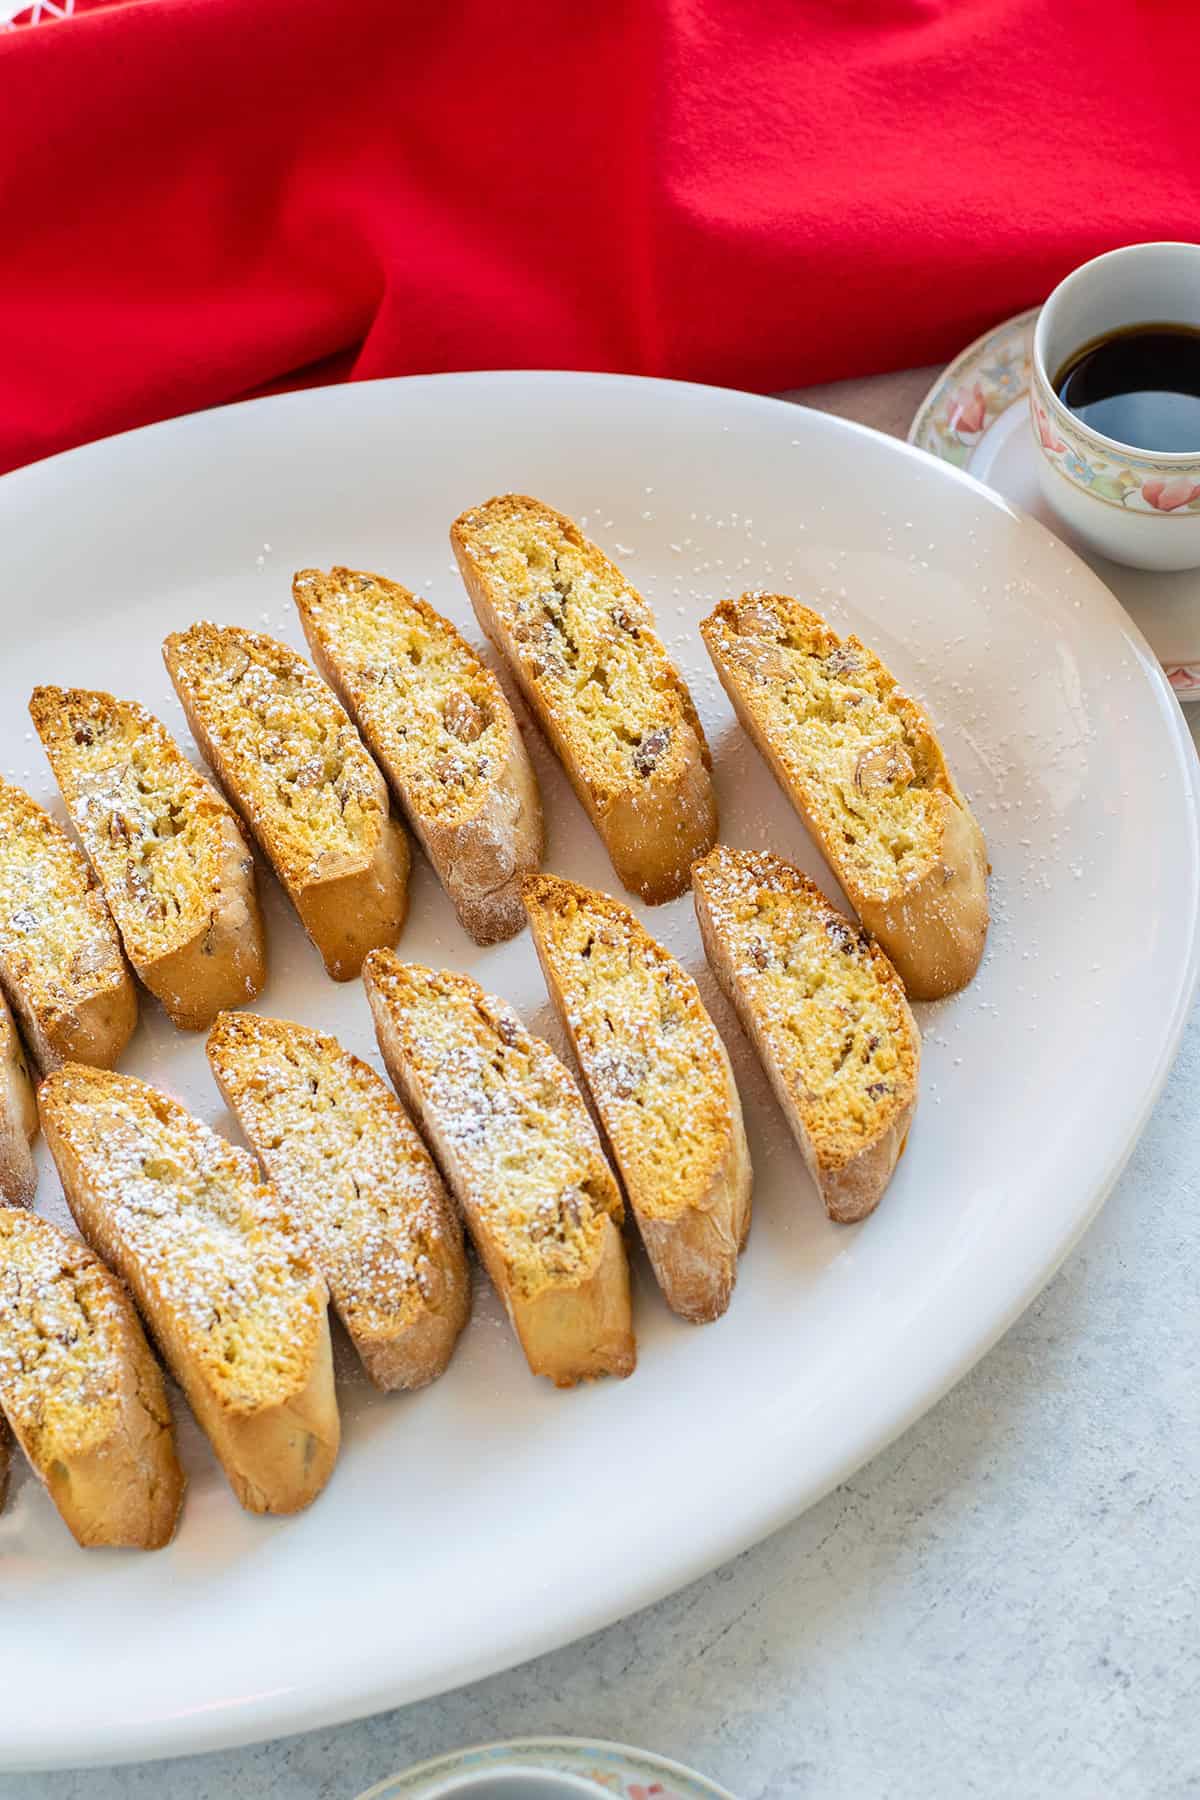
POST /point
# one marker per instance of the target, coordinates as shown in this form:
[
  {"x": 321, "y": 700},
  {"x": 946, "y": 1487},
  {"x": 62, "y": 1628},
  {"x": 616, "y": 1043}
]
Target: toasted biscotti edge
[
  {"x": 398, "y": 1356},
  {"x": 852, "y": 1190},
  {"x": 597, "y": 1311},
  {"x": 125, "y": 1489},
  {"x": 225, "y": 963},
  {"x": 94, "y": 1032},
  {"x": 654, "y": 832},
  {"x": 486, "y": 858},
  {"x": 280, "y": 1460},
  {"x": 935, "y": 933},
  {"x": 694, "y": 1254},
  {"x": 277, "y": 1459},
  {"x": 654, "y": 837},
  {"x": 348, "y": 913},
  {"x": 18, "y": 1116},
  {"x": 569, "y": 1333},
  {"x": 480, "y": 859}
]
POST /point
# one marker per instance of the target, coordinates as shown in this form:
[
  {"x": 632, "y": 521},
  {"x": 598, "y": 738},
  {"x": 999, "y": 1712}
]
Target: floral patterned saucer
[
  {"x": 615, "y": 1769},
  {"x": 976, "y": 415}
]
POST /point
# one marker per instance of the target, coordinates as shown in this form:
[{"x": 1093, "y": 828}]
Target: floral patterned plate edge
[
  {"x": 615, "y": 1769},
  {"x": 970, "y": 417}
]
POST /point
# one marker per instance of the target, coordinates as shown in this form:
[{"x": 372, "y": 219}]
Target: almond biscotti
[
  {"x": 61, "y": 963},
  {"x": 18, "y": 1117},
  {"x": 82, "y": 1391},
  {"x": 168, "y": 851},
  {"x": 861, "y": 764},
  {"x": 297, "y": 771},
  {"x": 231, "y": 1296},
  {"x": 660, "y": 1079},
  {"x": 519, "y": 1150},
  {"x": 827, "y": 1014},
  {"x": 582, "y": 643},
  {"x": 360, "y": 1187},
  {"x": 443, "y": 732}
]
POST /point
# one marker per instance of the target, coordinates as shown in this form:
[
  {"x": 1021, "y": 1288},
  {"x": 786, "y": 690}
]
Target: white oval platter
[{"x": 490, "y": 1517}]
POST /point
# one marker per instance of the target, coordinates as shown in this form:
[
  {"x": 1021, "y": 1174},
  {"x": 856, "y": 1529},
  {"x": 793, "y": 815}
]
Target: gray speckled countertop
[{"x": 1004, "y": 1603}]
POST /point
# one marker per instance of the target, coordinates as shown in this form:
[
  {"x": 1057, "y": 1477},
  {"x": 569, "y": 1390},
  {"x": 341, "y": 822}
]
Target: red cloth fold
[{"x": 201, "y": 197}]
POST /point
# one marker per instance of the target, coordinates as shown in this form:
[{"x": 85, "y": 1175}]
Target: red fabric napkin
[{"x": 200, "y": 197}]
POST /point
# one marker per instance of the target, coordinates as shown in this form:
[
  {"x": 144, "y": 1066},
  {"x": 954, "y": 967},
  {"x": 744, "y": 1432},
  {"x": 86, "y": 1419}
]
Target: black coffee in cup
[{"x": 1140, "y": 385}]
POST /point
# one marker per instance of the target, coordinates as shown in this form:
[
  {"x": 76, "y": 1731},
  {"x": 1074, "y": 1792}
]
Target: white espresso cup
[{"x": 1137, "y": 506}]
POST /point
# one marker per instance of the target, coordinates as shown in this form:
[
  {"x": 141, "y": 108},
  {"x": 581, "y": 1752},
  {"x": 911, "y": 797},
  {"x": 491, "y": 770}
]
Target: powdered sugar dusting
[
  {"x": 824, "y": 1004},
  {"x": 58, "y": 945},
  {"x": 510, "y": 1124},
  {"x": 856, "y": 749},
  {"x": 205, "y": 1246},
  {"x": 148, "y": 820},
  {"x": 432, "y": 712},
  {"x": 651, "y": 1054},
  {"x": 585, "y": 644},
  {"x": 63, "y": 1319},
  {"x": 291, "y": 756},
  {"x": 362, "y": 1192}
]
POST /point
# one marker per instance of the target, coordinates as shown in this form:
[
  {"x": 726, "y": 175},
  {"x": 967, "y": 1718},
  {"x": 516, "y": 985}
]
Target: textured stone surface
[{"x": 1003, "y": 1603}]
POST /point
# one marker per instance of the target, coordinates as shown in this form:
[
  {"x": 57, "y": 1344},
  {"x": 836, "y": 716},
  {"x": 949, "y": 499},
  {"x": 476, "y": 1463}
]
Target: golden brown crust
[
  {"x": 660, "y": 1079},
  {"x": 443, "y": 732},
  {"x": 861, "y": 764},
  {"x": 238, "y": 1310},
  {"x": 18, "y": 1117},
  {"x": 348, "y": 915},
  {"x": 936, "y": 930},
  {"x": 826, "y": 1013},
  {"x": 61, "y": 963},
  {"x": 582, "y": 643},
  {"x": 519, "y": 1151},
  {"x": 82, "y": 1391},
  {"x": 166, "y": 848},
  {"x": 299, "y": 775},
  {"x": 359, "y": 1185}
]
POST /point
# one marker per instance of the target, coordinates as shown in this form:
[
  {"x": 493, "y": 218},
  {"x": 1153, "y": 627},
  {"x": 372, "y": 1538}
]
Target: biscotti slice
[
  {"x": 443, "y": 732},
  {"x": 231, "y": 1296},
  {"x": 827, "y": 1014},
  {"x": 61, "y": 963},
  {"x": 168, "y": 851},
  {"x": 519, "y": 1151},
  {"x": 82, "y": 1391},
  {"x": 582, "y": 643},
  {"x": 360, "y": 1187},
  {"x": 297, "y": 771},
  {"x": 859, "y": 761},
  {"x": 18, "y": 1117},
  {"x": 660, "y": 1079}
]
